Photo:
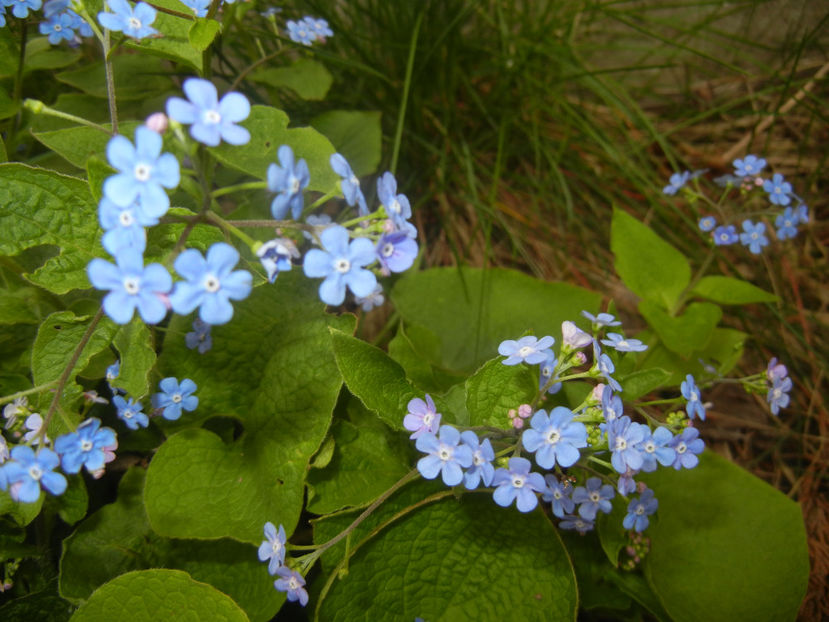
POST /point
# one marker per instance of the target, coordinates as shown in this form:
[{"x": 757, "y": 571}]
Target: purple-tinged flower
[
  {"x": 422, "y": 417},
  {"x": 592, "y": 497},
  {"x": 299, "y": 32},
  {"x": 626, "y": 484},
  {"x": 545, "y": 373},
  {"x": 34, "y": 425},
  {"x": 27, "y": 472},
  {"x": 605, "y": 366},
  {"x": 639, "y": 510},
  {"x": 725, "y": 235},
  {"x": 445, "y": 455},
  {"x": 778, "y": 395},
  {"x": 691, "y": 392},
  {"x": 803, "y": 214},
  {"x": 574, "y": 337},
  {"x": 397, "y": 205},
  {"x": 687, "y": 445},
  {"x": 528, "y": 349},
  {"x": 577, "y": 523},
  {"x": 396, "y": 252},
  {"x": 20, "y": 8},
  {"x": 133, "y": 23},
  {"x": 200, "y": 337},
  {"x": 656, "y": 448},
  {"x": 131, "y": 286},
  {"x": 199, "y": 9},
  {"x": 341, "y": 264},
  {"x": 85, "y": 446},
  {"x": 211, "y": 283},
  {"x": 130, "y": 413},
  {"x": 11, "y": 411},
  {"x": 707, "y": 223},
  {"x": 602, "y": 319},
  {"x": 750, "y": 166},
  {"x": 555, "y": 438},
  {"x": 676, "y": 181},
  {"x": 753, "y": 237},
  {"x": 373, "y": 300},
  {"x": 559, "y": 494},
  {"x": 786, "y": 224},
  {"x": 620, "y": 344},
  {"x": 59, "y": 28},
  {"x": 211, "y": 120},
  {"x": 175, "y": 397},
  {"x": 482, "y": 457},
  {"x": 272, "y": 549},
  {"x": 291, "y": 581},
  {"x": 517, "y": 484},
  {"x": 623, "y": 438},
  {"x": 289, "y": 180},
  {"x": 778, "y": 189},
  {"x": 611, "y": 405},
  {"x": 349, "y": 183},
  {"x": 275, "y": 256},
  {"x": 776, "y": 370}
]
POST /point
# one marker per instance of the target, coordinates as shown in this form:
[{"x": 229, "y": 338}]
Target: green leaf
[
  {"x": 3, "y": 155},
  {"x": 686, "y": 333},
  {"x": 724, "y": 351},
  {"x": 416, "y": 367},
  {"x": 725, "y": 545},
  {"x": 357, "y": 135},
  {"x": 372, "y": 376},
  {"x": 41, "y": 207},
  {"x": 728, "y": 291},
  {"x": 23, "y": 306},
  {"x": 494, "y": 389},
  {"x": 40, "y": 54},
  {"x": 136, "y": 76},
  {"x": 151, "y": 595},
  {"x": 21, "y": 513},
  {"x": 73, "y": 503},
  {"x": 175, "y": 44},
  {"x": 649, "y": 266},
  {"x": 272, "y": 370},
  {"x": 454, "y": 571},
  {"x": 43, "y": 605},
  {"x": 78, "y": 144},
  {"x": 269, "y": 130},
  {"x": 8, "y": 108},
  {"x": 307, "y": 78},
  {"x": 644, "y": 381},
  {"x": 134, "y": 343},
  {"x": 469, "y": 312},
  {"x": 202, "y": 33},
  {"x": 612, "y": 536}
]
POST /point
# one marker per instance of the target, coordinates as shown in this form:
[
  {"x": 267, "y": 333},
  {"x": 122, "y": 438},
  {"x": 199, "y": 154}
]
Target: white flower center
[
  {"x": 35, "y": 472},
  {"x": 58, "y": 27},
  {"x": 131, "y": 285},
  {"x": 622, "y": 343},
  {"x": 395, "y": 206},
  {"x": 342, "y": 265},
  {"x": 427, "y": 419},
  {"x": 126, "y": 219},
  {"x": 553, "y": 436},
  {"x": 694, "y": 397},
  {"x": 621, "y": 444},
  {"x": 775, "y": 395},
  {"x": 681, "y": 448},
  {"x": 176, "y": 398},
  {"x": 212, "y": 117},
  {"x": 134, "y": 23},
  {"x": 525, "y": 351},
  {"x": 212, "y": 284},
  {"x": 445, "y": 453},
  {"x": 276, "y": 546},
  {"x": 518, "y": 481},
  {"x": 753, "y": 236},
  {"x": 86, "y": 445},
  {"x": 557, "y": 495},
  {"x": 640, "y": 509},
  {"x": 128, "y": 413},
  {"x": 724, "y": 237},
  {"x": 293, "y": 584},
  {"x": 594, "y": 497},
  {"x": 650, "y": 447},
  {"x": 388, "y": 249},
  {"x": 142, "y": 172},
  {"x": 294, "y": 184},
  {"x": 478, "y": 459},
  {"x": 353, "y": 180}
]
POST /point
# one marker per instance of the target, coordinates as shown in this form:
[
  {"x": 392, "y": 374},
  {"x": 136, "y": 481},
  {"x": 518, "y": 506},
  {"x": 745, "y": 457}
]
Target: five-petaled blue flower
[
  {"x": 482, "y": 457},
  {"x": 559, "y": 494},
  {"x": 175, "y": 397},
  {"x": 691, "y": 393},
  {"x": 131, "y": 285},
  {"x": 291, "y": 581},
  {"x": 349, "y": 183},
  {"x": 272, "y": 550},
  {"x": 778, "y": 395},
  {"x": 517, "y": 484},
  {"x": 396, "y": 251},
  {"x": 725, "y": 235},
  {"x": 619, "y": 343},
  {"x": 300, "y": 32},
  {"x": 211, "y": 283},
  {"x": 753, "y": 236},
  {"x": 656, "y": 448},
  {"x": 59, "y": 28},
  {"x": 602, "y": 319},
  {"x": 611, "y": 405},
  {"x": 445, "y": 455},
  {"x": 130, "y": 412},
  {"x": 593, "y": 497},
  {"x": 288, "y": 180},
  {"x": 706, "y": 223},
  {"x": 143, "y": 170},
  {"x": 341, "y": 264},
  {"x": 639, "y": 510},
  {"x": 28, "y": 471},
  {"x": 20, "y": 8},
  {"x": 778, "y": 189},
  {"x": 397, "y": 205},
  {"x": 422, "y": 417},
  {"x": 123, "y": 226},
  {"x": 687, "y": 445},
  {"x": 786, "y": 224},
  {"x": 211, "y": 120},
  {"x": 582, "y": 525},
  {"x": 555, "y": 438},
  {"x": 623, "y": 439},
  {"x": 133, "y": 23},
  {"x": 200, "y": 337},
  {"x": 750, "y": 166},
  {"x": 528, "y": 349},
  {"x": 85, "y": 446},
  {"x": 319, "y": 27},
  {"x": 677, "y": 181},
  {"x": 545, "y": 373}
]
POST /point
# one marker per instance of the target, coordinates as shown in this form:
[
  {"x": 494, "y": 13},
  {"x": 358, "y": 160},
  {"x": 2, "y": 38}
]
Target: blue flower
[
  {"x": 559, "y": 494},
  {"x": 687, "y": 445},
  {"x": 691, "y": 393},
  {"x": 289, "y": 181},
  {"x": 341, "y": 264},
  {"x": 349, "y": 183},
  {"x": 397, "y": 205},
  {"x": 576, "y": 522},
  {"x": 211, "y": 120},
  {"x": 300, "y": 32},
  {"x": 28, "y": 471},
  {"x": 776, "y": 370},
  {"x": 706, "y": 223},
  {"x": 555, "y": 438},
  {"x": 175, "y": 397},
  {"x": 131, "y": 285},
  {"x": 319, "y": 27},
  {"x": 200, "y": 337},
  {"x": 677, "y": 181},
  {"x": 528, "y": 349},
  {"x": 602, "y": 319},
  {"x": 291, "y": 581},
  {"x": 803, "y": 214},
  {"x": 786, "y": 224},
  {"x": 605, "y": 366},
  {"x": 20, "y": 8},
  {"x": 396, "y": 251},
  {"x": 778, "y": 189},
  {"x": 59, "y": 28},
  {"x": 113, "y": 371},
  {"x": 275, "y": 256},
  {"x": 143, "y": 172},
  {"x": 85, "y": 447},
  {"x": 750, "y": 166},
  {"x": 482, "y": 457},
  {"x": 422, "y": 417},
  {"x": 639, "y": 510},
  {"x": 612, "y": 407},
  {"x": 210, "y": 284},
  {"x": 753, "y": 237},
  {"x": 130, "y": 412},
  {"x": 725, "y": 235},
  {"x": 445, "y": 455},
  {"x": 517, "y": 484},
  {"x": 545, "y": 373},
  {"x": 623, "y": 439},
  {"x": 656, "y": 448},
  {"x": 124, "y": 226},
  {"x": 2, "y": 24},
  {"x": 272, "y": 550},
  {"x": 593, "y": 497},
  {"x": 199, "y": 8},
  {"x": 133, "y": 23},
  {"x": 619, "y": 343},
  {"x": 374, "y": 299},
  {"x": 778, "y": 395}
]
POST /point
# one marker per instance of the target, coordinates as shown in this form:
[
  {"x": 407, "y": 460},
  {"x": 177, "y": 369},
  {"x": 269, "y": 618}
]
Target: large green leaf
[
  {"x": 41, "y": 207},
  {"x": 357, "y": 135},
  {"x": 136, "y": 76},
  {"x": 686, "y": 333},
  {"x": 729, "y": 291},
  {"x": 469, "y": 311},
  {"x": 649, "y": 266},
  {"x": 78, "y": 144},
  {"x": 723, "y": 351},
  {"x": 495, "y": 389},
  {"x": 725, "y": 545},
  {"x": 134, "y": 343},
  {"x": 152, "y": 595},
  {"x": 40, "y": 54},
  {"x": 306, "y": 77}
]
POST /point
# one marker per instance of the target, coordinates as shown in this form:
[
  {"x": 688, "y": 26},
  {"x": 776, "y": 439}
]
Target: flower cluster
[
  {"x": 169, "y": 403},
  {"x": 63, "y": 24},
  {"x": 560, "y": 440},
  {"x": 308, "y": 30},
  {"x": 779, "y": 386},
  {"x": 272, "y": 550}
]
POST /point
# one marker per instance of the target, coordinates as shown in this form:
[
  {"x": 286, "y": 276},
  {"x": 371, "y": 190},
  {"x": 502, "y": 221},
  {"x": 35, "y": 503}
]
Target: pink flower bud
[
  {"x": 524, "y": 411},
  {"x": 518, "y": 423},
  {"x": 157, "y": 122}
]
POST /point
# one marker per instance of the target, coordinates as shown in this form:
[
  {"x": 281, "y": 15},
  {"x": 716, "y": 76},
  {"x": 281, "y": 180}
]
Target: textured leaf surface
[
  {"x": 202, "y": 33},
  {"x": 495, "y": 388},
  {"x": 729, "y": 291},
  {"x": 134, "y": 343},
  {"x": 307, "y": 78},
  {"x": 78, "y": 144},
  {"x": 686, "y": 333},
  {"x": 355, "y": 134},
  {"x": 723, "y": 351},
  {"x": 136, "y": 77},
  {"x": 644, "y": 381}
]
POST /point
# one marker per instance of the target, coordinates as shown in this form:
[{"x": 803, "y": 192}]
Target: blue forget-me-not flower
[
  {"x": 27, "y": 472},
  {"x": 134, "y": 23},
  {"x": 175, "y": 397},
  {"x": 349, "y": 184},
  {"x": 85, "y": 446},
  {"x": 445, "y": 455},
  {"x": 555, "y": 438},
  {"x": 211, "y": 120},
  {"x": 272, "y": 549},
  {"x": 517, "y": 484},
  {"x": 753, "y": 236},
  {"x": 288, "y": 180},
  {"x": 341, "y": 264}
]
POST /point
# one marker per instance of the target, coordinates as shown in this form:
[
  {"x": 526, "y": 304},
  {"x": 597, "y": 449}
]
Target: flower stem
[
  {"x": 251, "y": 185},
  {"x": 13, "y": 396},
  {"x": 38, "y": 107},
  {"x": 233, "y": 230}
]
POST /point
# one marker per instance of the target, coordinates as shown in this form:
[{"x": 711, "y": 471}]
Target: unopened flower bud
[{"x": 157, "y": 122}]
